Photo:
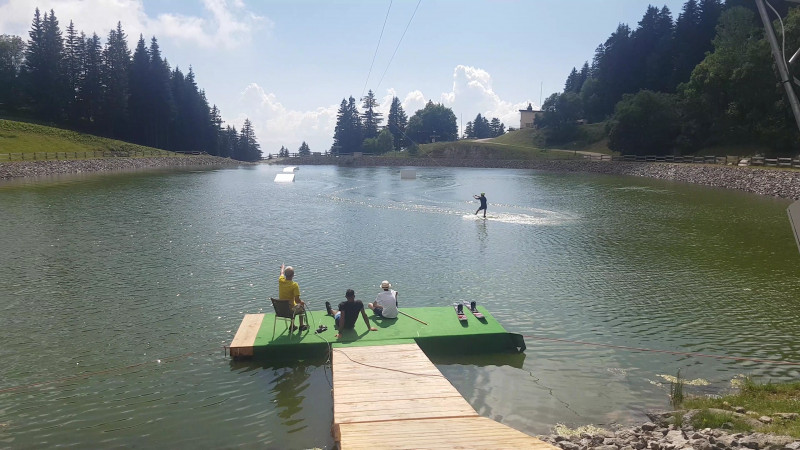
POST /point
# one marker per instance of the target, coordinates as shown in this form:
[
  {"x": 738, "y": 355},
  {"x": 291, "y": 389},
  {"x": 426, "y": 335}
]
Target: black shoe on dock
[{"x": 328, "y": 308}]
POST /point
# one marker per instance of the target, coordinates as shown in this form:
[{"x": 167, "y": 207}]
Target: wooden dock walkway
[{"x": 393, "y": 396}]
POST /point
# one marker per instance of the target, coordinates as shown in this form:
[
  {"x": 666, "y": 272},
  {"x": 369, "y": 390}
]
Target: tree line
[
  {"x": 363, "y": 131},
  {"x": 77, "y": 82},
  {"x": 704, "y": 80}
]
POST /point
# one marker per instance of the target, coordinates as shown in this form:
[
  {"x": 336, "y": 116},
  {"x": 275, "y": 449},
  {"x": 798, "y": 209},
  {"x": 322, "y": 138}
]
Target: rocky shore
[
  {"x": 56, "y": 167},
  {"x": 774, "y": 182},
  {"x": 659, "y": 434}
]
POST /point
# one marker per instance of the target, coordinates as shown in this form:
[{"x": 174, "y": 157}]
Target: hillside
[
  {"x": 26, "y": 141},
  {"x": 521, "y": 144}
]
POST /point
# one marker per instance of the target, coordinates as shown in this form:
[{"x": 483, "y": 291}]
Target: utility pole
[
  {"x": 779, "y": 61},
  {"x": 794, "y": 208}
]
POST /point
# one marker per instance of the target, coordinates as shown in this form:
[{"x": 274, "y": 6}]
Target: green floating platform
[{"x": 442, "y": 332}]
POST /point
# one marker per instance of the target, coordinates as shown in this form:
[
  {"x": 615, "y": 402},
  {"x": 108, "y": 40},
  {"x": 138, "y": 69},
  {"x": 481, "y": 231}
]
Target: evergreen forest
[
  {"x": 74, "y": 81},
  {"x": 705, "y": 80}
]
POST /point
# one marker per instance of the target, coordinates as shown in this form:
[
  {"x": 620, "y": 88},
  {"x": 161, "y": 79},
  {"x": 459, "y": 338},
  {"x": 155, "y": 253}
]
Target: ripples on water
[{"x": 118, "y": 292}]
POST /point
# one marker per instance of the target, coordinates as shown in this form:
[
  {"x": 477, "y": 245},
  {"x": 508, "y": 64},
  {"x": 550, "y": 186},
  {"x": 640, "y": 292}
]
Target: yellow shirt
[{"x": 288, "y": 290}]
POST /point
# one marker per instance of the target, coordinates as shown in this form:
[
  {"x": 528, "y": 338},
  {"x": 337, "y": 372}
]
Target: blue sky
[{"x": 287, "y": 65}]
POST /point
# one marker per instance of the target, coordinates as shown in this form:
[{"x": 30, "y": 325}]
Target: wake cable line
[
  {"x": 398, "y": 44},
  {"x": 783, "y": 35},
  {"x": 376, "y": 49},
  {"x": 671, "y": 352}
]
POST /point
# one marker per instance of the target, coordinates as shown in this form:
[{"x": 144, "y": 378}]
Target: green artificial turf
[{"x": 443, "y": 333}]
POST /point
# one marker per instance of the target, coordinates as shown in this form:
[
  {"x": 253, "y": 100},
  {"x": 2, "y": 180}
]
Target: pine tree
[
  {"x": 116, "y": 65},
  {"x": 304, "y": 150},
  {"x": 371, "y": 119},
  {"x": 74, "y": 50},
  {"x": 652, "y": 52},
  {"x": 216, "y": 132},
  {"x": 249, "y": 150},
  {"x": 396, "y": 123},
  {"x": 496, "y": 128},
  {"x": 45, "y": 85},
  {"x": 347, "y": 137},
  {"x": 162, "y": 106},
  {"x": 138, "y": 108},
  {"x": 480, "y": 127},
  {"x": 229, "y": 142},
  {"x": 90, "y": 87},
  {"x": 573, "y": 83},
  {"x": 469, "y": 131}
]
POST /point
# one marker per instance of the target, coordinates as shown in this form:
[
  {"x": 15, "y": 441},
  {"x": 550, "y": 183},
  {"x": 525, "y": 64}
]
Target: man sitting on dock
[
  {"x": 290, "y": 290},
  {"x": 386, "y": 302},
  {"x": 348, "y": 313}
]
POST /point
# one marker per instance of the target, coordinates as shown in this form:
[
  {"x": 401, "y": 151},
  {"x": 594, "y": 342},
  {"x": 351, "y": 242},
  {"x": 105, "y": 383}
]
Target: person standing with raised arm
[{"x": 482, "y": 199}]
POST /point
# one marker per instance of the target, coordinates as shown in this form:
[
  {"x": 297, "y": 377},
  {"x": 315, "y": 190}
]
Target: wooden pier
[
  {"x": 386, "y": 392},
  {"x": 392, "y": 396}
]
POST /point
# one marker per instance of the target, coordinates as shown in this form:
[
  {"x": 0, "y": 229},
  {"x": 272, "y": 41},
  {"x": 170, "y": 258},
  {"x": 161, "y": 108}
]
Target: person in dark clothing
[
  {"x": 482, "y": 198},
  {"x": 348, "y": 313}
]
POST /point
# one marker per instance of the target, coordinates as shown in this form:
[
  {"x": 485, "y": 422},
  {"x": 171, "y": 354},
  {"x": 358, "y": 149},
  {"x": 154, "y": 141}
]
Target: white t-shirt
[{"x": 388, "y": 301}]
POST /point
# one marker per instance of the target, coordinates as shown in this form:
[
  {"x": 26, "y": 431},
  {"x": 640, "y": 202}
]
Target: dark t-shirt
[
  {"x": 351, "y": 310},
  {"x": 483, "y": 202}
]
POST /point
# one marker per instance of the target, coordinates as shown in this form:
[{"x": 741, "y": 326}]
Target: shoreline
[
  {"x": 25, "y": 169},
  {"x": 772, "y": 182},
  {"x": 654, "y": 437},
  {"x": 662, "y": 434}
]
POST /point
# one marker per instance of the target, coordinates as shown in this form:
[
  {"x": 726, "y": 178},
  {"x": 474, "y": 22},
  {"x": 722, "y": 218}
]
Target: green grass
[
  {"x": 27, "y": 141},
  {"x": 762, "y": 399},
  {"x": 489, "y": 150},
  {"x": 708, "y": 419},
  {"x": 526, "y": 137}
]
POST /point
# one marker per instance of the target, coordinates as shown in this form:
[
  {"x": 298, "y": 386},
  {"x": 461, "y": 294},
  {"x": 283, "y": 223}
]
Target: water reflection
[
  {"x": 125, "y": 268},
  {"x": 483, "y": 234}
]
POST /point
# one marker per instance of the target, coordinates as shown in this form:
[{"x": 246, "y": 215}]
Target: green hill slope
[
  {"x": 521, "y": 144},
  {"x": 27, "y": 141}
]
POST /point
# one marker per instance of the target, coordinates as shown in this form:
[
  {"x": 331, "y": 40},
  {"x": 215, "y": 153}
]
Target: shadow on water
[
  {"x": 510, "y": 358},
  {"x": 298, "y": 390}
]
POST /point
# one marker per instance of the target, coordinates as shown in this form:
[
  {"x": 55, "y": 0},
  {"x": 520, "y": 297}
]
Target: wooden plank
[
  {"x": 242, "y": 344},
  {"x": 418, "y": 400},
  {"x": 462, "y": 433}
]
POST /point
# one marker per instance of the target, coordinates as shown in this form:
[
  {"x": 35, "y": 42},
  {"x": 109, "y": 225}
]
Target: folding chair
[{"x": 285, "y": 311}]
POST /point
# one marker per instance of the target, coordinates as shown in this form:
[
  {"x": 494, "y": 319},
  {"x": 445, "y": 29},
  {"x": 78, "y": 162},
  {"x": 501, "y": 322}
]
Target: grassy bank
[
  {"x": 27, "y": 141},
  {"x": 766, "y": 408},
  {"x": 515, "y": 145},
  {"x": 524, "y": 144}
]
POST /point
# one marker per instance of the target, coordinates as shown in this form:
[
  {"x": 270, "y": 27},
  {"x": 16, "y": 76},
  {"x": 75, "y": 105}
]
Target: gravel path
[{"x": 45, "y": 168}]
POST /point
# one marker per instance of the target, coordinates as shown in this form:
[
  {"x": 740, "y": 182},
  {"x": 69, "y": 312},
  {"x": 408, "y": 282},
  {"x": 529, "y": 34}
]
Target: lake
[{"x": 119, "y": 291}]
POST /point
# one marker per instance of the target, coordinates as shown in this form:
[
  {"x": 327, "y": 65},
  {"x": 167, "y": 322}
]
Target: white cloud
[
  {"x": 472, "y": 94},
  {"x": 276, "y": 126},
  {"x": 224, "y": 25}
]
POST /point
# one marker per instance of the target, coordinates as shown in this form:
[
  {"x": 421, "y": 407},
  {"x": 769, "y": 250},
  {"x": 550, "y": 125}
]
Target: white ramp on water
[
  {"x": 408, "y": 174},
  {"x": 291, "y": 169},
  {"x": 284, "y": 178}
]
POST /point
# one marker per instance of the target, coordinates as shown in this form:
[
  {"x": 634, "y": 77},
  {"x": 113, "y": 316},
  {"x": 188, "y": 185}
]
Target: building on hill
[{"x": 528, "y": 116}]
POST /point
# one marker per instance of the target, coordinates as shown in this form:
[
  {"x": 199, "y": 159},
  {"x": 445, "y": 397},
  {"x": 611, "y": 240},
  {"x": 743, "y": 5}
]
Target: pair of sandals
[{"x": 303, "y": 327}]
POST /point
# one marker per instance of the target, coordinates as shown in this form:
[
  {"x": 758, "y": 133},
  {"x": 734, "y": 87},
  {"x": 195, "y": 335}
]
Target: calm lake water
[{"x": 117, "y": 293}]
